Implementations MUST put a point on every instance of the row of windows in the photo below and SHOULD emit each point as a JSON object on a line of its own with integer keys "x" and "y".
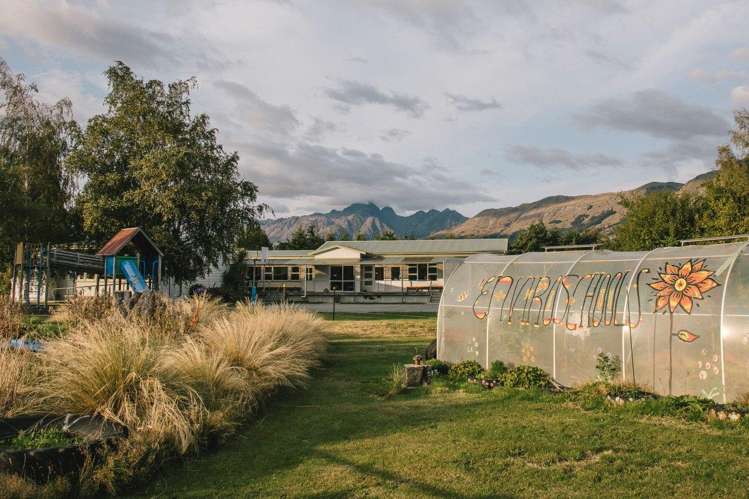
{"x": 342, "y": 276}
{"x": 416, "y": 272}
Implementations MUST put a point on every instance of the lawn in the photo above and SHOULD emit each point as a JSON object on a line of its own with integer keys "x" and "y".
{"x": 341, "y": 437}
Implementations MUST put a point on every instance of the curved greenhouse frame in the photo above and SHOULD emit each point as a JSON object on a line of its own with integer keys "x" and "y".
{"x": 677, "y": 319}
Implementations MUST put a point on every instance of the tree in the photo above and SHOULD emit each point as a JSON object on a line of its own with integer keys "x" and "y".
{"x": 657, "y": 219}
{"x": 536, "y": 237}
{"x": 726, "y": 197}
{"x": 35, "y": 188}
{"x": 252, "y": 237}
{"x": 150, "y": 163}
{"x": 302, "y": 238}
{"x": 388, "y": 235}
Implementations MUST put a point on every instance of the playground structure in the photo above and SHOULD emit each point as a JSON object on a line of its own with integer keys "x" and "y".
{"x": 129, "y": 262}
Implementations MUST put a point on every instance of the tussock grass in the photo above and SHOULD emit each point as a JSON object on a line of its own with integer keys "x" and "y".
{"x": 17, "y": 376}
{"x": 11, "y": 318}
{"x": 176, "y": 374}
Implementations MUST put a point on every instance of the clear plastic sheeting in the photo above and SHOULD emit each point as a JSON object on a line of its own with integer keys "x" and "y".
{"x": 677, "y": 319}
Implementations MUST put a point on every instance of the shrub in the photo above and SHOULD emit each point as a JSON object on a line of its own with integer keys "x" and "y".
{"x": 438, "y": 367}
{"x": 496, "y": 370}
{"x": 526, "y": 377}
{"x": 11, "y": 318}
{"x": 464, "y": 370}
{"x": 608, "y": 366}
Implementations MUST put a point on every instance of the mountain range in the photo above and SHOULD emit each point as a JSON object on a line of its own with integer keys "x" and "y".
{"x": 590, "y": 211}
{"x": 367, "y": 219}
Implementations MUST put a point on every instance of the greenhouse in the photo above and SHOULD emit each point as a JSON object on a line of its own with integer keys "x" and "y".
{"x": 676, "y": 319}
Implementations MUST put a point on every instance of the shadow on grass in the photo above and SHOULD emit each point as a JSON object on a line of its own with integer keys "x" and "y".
{"x": 383, "y": 474}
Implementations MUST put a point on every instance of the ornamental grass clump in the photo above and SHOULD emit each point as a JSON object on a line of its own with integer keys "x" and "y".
{"x": 78, "y": 309}
{"x": 11, "y": 318}
{"x": 17, "y": 376}
{"x": 272, "y": 346}
{"x": 111, "y": 368}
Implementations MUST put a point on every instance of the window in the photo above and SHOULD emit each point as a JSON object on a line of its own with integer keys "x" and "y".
{"x": 268, "y": 273}
{"x": 367, "y": 272}
{"x": 342, "y": 277}
{"x": 294, "y": 273}
{"x": 309, "y": 273}
{"x": 379, "y": 273}
{"x": 419, "y": 272}
{"x": 395, "y": 273}
{"x": 432, "y": 271}
{"x": 280, "y": 273}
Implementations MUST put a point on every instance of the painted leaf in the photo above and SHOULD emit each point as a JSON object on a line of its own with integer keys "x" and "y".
{"x": 686, "y": 336}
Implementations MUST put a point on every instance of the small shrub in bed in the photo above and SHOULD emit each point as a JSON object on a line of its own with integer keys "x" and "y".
{"x": 462, "y": 371}
{"x": 608, "y": 366}
{"x": 526, "y": 377}
{"x": 438, "y": 367}
{"x": 496, "y": 370}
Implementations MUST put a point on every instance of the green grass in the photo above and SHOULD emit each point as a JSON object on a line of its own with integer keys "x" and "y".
{"x": 342, "y": 438}
{"x": 378, "y": 316}
{"x": 41, "y": 438}
{"x": 41, "y": 327}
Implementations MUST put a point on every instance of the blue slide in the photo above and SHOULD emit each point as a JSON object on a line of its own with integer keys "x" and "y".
{"x": 133, "y": 276}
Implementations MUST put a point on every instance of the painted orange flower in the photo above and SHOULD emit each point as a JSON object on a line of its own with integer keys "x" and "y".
{"x": 680, "y": 286}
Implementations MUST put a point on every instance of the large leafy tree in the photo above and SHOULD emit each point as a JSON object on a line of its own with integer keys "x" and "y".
{"x": 537, "y": 236}
{"x": 302, "y": 238}
{"x": 657, "y": 219}
{"x": 149, "y": 162}
{"x": 35, "y": 188}
{"x": 726, "y": 197}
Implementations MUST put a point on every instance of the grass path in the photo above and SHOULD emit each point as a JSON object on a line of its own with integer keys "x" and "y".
{"x": 340, "y": 438}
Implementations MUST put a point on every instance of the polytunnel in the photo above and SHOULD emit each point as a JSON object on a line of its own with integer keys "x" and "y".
{"x": 676, "y": 318}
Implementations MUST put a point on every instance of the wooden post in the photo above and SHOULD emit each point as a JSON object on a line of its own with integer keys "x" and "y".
{"x": 97, "y": 284}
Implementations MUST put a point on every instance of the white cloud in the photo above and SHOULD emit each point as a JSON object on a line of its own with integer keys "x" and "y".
{"x": 740, "y": 97}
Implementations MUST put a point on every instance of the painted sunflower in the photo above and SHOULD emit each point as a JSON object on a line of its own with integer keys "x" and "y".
{"x": 679, "y": 286}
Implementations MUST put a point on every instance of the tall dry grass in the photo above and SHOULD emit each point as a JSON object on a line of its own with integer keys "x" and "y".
{"x": 18, "y": 374}
{"x": 11, "y": 318}
{"x": 175, "y": 374}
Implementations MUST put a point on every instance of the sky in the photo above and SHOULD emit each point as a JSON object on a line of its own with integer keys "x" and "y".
{"x": 417, "y": 104}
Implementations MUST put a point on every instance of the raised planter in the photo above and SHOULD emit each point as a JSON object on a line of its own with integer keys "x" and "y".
{"x": 40, "y": 464}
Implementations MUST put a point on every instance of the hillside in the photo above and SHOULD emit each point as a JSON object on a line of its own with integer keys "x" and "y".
{"x": 596, "y": 211}
{"x": 367, "y": 219}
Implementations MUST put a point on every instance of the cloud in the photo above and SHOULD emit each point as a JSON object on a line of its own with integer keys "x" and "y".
{"x": 654, "y": 113}
{"x": 601, "y": 58}
{"x": 87, "y": 33}
{"x": 716, "y": 76}
{"x": 341, "y": 176}
{"x": 352, "y": 93}
{"x": 464, "y": 103}
{"x": 319, "y": 129}
{"x": 740, "y": 97}
{"x": 546, "y": 158}
{"x": 741, "y": 53}
{"x": 394, "y": 135}
{"x": 256, "y": 112}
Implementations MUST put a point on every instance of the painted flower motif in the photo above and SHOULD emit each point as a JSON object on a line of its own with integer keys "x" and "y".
{"x": 680, "y": 286}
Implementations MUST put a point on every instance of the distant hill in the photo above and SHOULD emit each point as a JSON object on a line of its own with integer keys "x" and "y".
{"x": 595, "y": 211}
{"x": 365, "y": 218}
